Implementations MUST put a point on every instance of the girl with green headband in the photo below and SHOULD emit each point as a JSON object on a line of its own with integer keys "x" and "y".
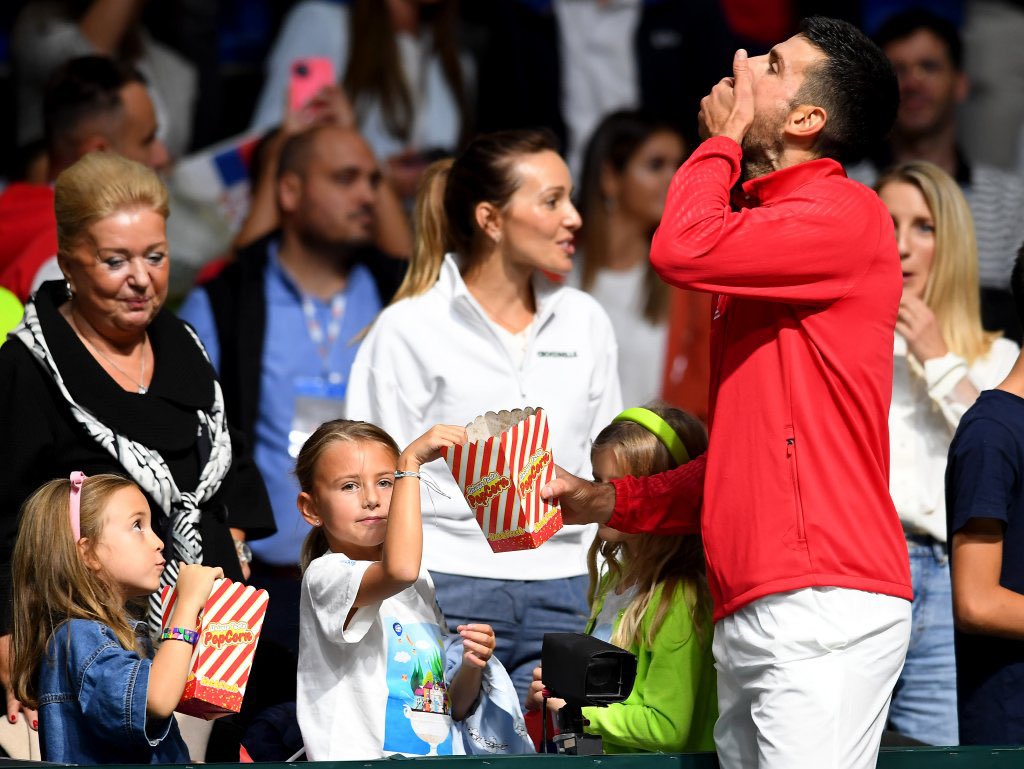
{"x": 649, "y": 595}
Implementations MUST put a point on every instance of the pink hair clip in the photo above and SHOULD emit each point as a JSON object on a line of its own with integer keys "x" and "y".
{"x": 75, "y": 503}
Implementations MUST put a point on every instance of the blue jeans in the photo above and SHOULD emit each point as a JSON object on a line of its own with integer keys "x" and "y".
{"x": 520, "y": 612}
{"x": 924, "y": 700}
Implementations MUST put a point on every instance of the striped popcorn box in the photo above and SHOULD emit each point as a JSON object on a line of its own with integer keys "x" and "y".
{"x": 501, "y": 471}
{"x": 228, "y": 633}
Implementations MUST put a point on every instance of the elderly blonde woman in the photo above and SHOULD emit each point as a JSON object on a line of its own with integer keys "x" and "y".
{"x": 100, "y": 378}
{"x": 943, "y": 359}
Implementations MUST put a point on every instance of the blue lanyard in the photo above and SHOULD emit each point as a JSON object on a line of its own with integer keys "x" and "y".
{"x": 324, "y": 341}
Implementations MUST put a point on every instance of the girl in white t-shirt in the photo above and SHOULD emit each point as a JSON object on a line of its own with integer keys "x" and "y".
{"x": 372, "y": 678}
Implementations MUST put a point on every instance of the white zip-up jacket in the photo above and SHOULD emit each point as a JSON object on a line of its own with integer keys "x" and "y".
{"x": 436, "y": 358}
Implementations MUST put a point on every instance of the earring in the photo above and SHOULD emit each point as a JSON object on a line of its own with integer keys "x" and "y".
{"x": 317, "y": 523}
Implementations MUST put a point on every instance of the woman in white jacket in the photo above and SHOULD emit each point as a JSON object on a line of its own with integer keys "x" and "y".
{"x": 943, "y": 358}
{"x": 477, "y": 326}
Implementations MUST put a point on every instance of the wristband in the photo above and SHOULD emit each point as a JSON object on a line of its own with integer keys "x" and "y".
{"x": 190, "y": 637}
{"x": 406, "y": 474}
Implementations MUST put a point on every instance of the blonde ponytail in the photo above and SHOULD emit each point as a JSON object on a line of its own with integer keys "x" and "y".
{"x": 431, "y": 228}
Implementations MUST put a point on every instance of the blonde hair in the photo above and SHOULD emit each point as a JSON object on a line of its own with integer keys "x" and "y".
{"x": 337, "y": 430}
{"x": 50, "y": 581}
{"x": 99, "y": 185}
{"x": 656, "y": 563}
{"x": 951, "y": 291}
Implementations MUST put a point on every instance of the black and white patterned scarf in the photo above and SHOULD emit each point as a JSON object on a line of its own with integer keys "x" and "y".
{"x": 181, "y": 509}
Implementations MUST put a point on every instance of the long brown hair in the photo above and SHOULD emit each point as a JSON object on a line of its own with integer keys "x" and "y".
{"x": 374, "y": 66}
{"x": 654, "y": 563}
{"x": 52, "y": 584}
{"x": 450, "y": 192}
{"x": 615, "y": 141}
{"x": 337, "y": 430}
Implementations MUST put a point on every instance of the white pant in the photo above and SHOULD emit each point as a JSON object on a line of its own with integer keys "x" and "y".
{"x": 805, "y": 678}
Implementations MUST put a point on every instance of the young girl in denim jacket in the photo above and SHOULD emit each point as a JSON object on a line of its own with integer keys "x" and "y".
{"x": 85, "y": 549}
{"x": 650, "y": 597}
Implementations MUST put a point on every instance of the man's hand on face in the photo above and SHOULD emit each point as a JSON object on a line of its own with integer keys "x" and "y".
{"x": 729, "y": 109}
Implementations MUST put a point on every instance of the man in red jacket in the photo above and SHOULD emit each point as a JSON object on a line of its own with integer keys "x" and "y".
{"x": 806, "y": 559}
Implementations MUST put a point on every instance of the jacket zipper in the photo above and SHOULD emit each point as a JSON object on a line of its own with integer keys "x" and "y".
{"x": 797, "y": 502}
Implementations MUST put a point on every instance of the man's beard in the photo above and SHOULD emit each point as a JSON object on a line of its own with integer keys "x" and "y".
{"x": 763, "y": 145}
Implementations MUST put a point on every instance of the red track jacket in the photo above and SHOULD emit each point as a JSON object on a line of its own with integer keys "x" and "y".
{"x": 807, "y": 282}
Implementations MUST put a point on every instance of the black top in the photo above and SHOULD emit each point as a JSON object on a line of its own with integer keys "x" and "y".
{"x": 985, "y": 479}
{"x": 40, "y": 439}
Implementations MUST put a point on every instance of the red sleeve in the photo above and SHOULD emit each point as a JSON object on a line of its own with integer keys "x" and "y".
{"x": 795, "y": 249}
{"x": 667, "y": 503}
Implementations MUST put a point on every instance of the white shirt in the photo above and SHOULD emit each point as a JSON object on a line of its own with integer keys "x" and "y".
{"x": 599, "y": 69}
{"x": 922, "y": 419}
{"x": 359, "y": 694}
{"x": 623, "y": 294}
{"x": 435, "y": 358}
{"x": 321, "y": 28}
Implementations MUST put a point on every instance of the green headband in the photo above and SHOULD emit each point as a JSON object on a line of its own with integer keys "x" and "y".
{"x": 661, "y": 429}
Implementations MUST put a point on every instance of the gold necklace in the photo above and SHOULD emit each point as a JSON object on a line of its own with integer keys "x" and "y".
{"x": 142, "y": 362}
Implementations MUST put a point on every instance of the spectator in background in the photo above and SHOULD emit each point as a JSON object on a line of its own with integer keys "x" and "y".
{"x": 279, "y": 325}
{"x": 985, "y": 507}
{"x": 49, "y": 32}
{"x": 92, "y": 103}
{"x": 565, "y": 64}
{"x": 943, "y": 359}
{"x": 400, "y": 65}
{"x": 926, "y": 52}
{"x": 479, "y": 328}
{"x": 627, "y": 168}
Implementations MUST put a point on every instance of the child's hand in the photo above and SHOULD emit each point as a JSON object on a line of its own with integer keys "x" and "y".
{"x": 428, "y": 446}
{"x": 535, "y": 695}
{"x": 195, "y": 583}
{"x": 479, "y": 643}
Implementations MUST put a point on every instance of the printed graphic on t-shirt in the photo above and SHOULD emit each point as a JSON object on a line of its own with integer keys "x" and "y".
{"x": 418, "y": 719}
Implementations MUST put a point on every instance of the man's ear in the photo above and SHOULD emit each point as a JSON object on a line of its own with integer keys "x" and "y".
{"x": 805, "y": 123}
{"x": 489, "y": 220}
{"x": 961, "y": 87}
{"x": 95, "y": 142}
{"x": 289, "y": 192}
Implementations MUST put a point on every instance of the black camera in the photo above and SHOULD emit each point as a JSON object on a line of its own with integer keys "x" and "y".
{"x": 584, "y": 670}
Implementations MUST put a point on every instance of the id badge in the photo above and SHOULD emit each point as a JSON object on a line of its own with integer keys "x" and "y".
{"x": 317, "y": 400}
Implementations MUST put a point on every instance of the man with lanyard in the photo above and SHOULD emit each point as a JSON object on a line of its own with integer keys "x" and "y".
{"x": 806, "y": 558}
{"x": 280, "y": 322}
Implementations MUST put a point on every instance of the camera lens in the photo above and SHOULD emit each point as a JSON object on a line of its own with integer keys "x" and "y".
{"x": 301, "y": 70}
{"x": 603, "y": 677}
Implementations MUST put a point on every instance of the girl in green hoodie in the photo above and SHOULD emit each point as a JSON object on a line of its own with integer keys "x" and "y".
{"x": 649, "y": 595}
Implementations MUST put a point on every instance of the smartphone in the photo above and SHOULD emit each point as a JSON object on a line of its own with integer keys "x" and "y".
{"x": 307, "y": 76}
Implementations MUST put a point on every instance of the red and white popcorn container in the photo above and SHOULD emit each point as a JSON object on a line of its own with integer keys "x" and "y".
{"x": 501, "y": 471}
{"x": 229, "y": 630}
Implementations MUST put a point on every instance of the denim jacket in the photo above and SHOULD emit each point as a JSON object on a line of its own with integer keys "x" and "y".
{"x": 92, "y": 702}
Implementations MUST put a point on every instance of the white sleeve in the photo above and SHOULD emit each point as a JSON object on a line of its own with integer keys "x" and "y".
{"x": 386, "y": 385}
{"x": 332, "y": 582}
{"x": 605, "y": 390}
{"x": 310, "y": 29}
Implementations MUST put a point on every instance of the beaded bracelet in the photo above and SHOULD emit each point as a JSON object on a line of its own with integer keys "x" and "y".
{"x": 180, "y": 634}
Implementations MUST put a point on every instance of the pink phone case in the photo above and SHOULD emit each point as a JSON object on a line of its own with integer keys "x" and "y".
{"x": 306, "y": 77}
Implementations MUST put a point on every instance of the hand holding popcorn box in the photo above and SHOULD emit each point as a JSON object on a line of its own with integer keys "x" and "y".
{"x": 501, "y": 471}
{"x": 229, "y": 630}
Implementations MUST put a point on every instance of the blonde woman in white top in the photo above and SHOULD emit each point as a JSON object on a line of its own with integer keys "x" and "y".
{"x": 943, "y": 359}
{"x": 478, "y": 325}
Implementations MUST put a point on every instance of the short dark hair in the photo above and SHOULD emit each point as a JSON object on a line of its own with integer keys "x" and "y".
{"x": 1017, "y": 284}
{"x": 82, "y": 89}
{"x": 902, "y": 25}
{"x": 296, "y": 152}
{"x": 855, "y": 84}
